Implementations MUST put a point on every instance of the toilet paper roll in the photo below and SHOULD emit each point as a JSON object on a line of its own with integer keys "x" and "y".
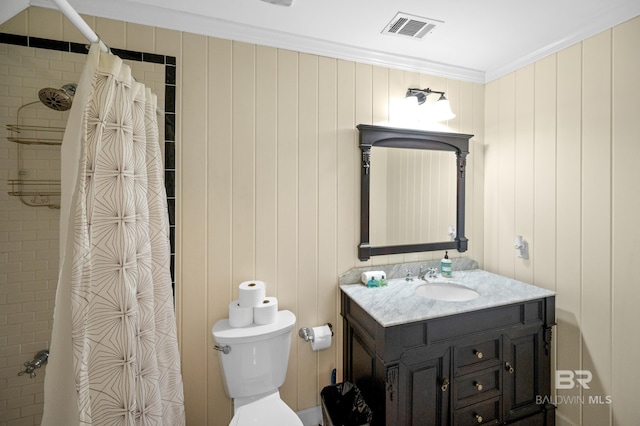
{"x": 251, "y": 293}
{"x": 266, "y": 312}
{"x": 239, "y": 316}
{"x": 321, "y": 337}
{"x": 376, "y": 275}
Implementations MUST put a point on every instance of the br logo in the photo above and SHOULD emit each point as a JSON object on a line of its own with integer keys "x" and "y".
{"x": 569, "y": 379}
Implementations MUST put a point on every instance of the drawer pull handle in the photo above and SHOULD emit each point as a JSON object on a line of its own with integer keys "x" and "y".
{"x": 478, "y": 386}
{"x": 478, "y": 418}
{"x": 445, "y": 385}
{"x": 509, "y": 367}
{"x": 478, "y": 354}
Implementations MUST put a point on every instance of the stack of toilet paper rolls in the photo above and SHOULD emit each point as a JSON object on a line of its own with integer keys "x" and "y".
{"x": 253, "y": 306}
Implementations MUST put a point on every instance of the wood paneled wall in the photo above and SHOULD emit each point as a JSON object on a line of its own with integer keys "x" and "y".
{"x": 270, "y": 191}
{"x": 562, "y": 137}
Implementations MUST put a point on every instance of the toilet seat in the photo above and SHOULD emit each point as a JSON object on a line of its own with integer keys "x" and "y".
{"x": 268, "y": 411}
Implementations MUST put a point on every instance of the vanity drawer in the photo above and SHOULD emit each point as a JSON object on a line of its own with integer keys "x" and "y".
{"x": 483, "y": 413}
{"x": 481, "y": 355}
{"x": 473, "y": 388}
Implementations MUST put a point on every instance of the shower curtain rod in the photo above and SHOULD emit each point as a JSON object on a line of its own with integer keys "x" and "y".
{"x": 84, "y": 28}
{"x": 73, "y": 16}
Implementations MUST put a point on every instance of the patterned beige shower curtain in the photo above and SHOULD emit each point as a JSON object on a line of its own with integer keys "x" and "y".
{"x": 114, "y": 352}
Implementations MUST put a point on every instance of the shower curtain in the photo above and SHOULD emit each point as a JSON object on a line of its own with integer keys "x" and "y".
{"x": 114, "y": 352}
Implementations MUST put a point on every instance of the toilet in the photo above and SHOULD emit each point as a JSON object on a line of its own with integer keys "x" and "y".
{"x": 254, "y": 361}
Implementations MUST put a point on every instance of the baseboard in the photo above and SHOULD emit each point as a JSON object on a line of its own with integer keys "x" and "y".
{"x": 561, "y": 420}
{"x": 311, "y": 416}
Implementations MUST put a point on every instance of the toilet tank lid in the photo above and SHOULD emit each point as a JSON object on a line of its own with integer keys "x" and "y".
{"x": 224, "y": 333}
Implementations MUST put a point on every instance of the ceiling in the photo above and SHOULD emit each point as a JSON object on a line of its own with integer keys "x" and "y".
{"x": 474, "y": 40}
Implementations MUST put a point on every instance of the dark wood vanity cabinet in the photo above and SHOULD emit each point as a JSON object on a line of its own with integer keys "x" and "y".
{"x": 487, "y": 367}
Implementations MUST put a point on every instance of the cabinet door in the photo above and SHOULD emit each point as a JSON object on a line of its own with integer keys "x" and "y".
{"x": 425, "y": 388}
{"x": 523, "y": 362}
{"x": 362, "y": 368}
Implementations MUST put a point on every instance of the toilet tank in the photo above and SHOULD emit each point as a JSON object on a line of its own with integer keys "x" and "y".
{"x": 258, "y": 355}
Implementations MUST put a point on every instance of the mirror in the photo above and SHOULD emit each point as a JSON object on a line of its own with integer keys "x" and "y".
{"x": 412, "y": 198}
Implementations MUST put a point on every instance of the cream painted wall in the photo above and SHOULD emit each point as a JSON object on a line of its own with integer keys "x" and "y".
{"x": 562, "y": 142}
{"x": 269, "y": 190}
{"x": 267, "y": 184}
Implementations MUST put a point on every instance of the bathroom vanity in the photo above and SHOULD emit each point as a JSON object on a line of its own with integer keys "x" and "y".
{"x": 420, "y": 361}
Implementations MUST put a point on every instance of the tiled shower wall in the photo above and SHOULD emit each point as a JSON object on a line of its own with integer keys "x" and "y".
{"x": 29, "y": 236}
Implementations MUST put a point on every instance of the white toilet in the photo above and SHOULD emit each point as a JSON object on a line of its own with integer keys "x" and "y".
{"x": 254, "y": 361}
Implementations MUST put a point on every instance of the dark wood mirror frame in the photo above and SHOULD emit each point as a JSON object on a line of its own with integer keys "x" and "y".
{"x": 390, "y": 137}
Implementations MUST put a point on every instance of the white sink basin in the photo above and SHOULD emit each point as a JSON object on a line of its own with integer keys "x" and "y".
{"x": 447, "y": 291}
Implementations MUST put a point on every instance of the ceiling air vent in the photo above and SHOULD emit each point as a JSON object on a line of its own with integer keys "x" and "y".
{"x": 410, "y": 25}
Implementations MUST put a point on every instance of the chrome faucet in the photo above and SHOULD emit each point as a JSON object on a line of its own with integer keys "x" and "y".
{"x": 39, "y": 360}
{"x": 432, "y": 272}
{"x": 421, "y": 273}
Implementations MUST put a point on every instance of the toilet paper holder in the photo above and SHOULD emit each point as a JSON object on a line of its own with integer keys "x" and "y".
{"x": 307, "y": 335}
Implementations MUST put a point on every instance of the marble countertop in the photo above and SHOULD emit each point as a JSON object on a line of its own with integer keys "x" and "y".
{"x": 398, "y": 304}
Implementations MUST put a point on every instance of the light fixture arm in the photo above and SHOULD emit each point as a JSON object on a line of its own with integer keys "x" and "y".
{"x": 440, "y": 110}
{"x": 422, "y": 94}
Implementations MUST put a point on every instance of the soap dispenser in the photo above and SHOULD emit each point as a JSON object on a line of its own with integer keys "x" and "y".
{"x": 445, "y": 266}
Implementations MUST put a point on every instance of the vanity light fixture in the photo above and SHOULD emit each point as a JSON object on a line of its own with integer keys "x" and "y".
{"x": 440, "y": 111}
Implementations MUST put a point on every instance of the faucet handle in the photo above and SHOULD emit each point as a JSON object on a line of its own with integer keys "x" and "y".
{"x": 409, "y": 276}
{"x": 39, "y": 360}
{"x": 431, "y": 272}
{"x": 28, "y": 370}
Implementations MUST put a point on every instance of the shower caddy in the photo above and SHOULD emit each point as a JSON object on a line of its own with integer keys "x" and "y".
{"x": 34, "y": 192}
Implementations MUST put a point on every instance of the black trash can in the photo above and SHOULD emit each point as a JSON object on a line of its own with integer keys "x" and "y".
{"x": 343, "y": 405}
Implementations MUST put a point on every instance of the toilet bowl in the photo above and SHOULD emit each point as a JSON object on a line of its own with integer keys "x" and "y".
{"x": 254, "y": 362}
{"x": 267, "y": 411}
